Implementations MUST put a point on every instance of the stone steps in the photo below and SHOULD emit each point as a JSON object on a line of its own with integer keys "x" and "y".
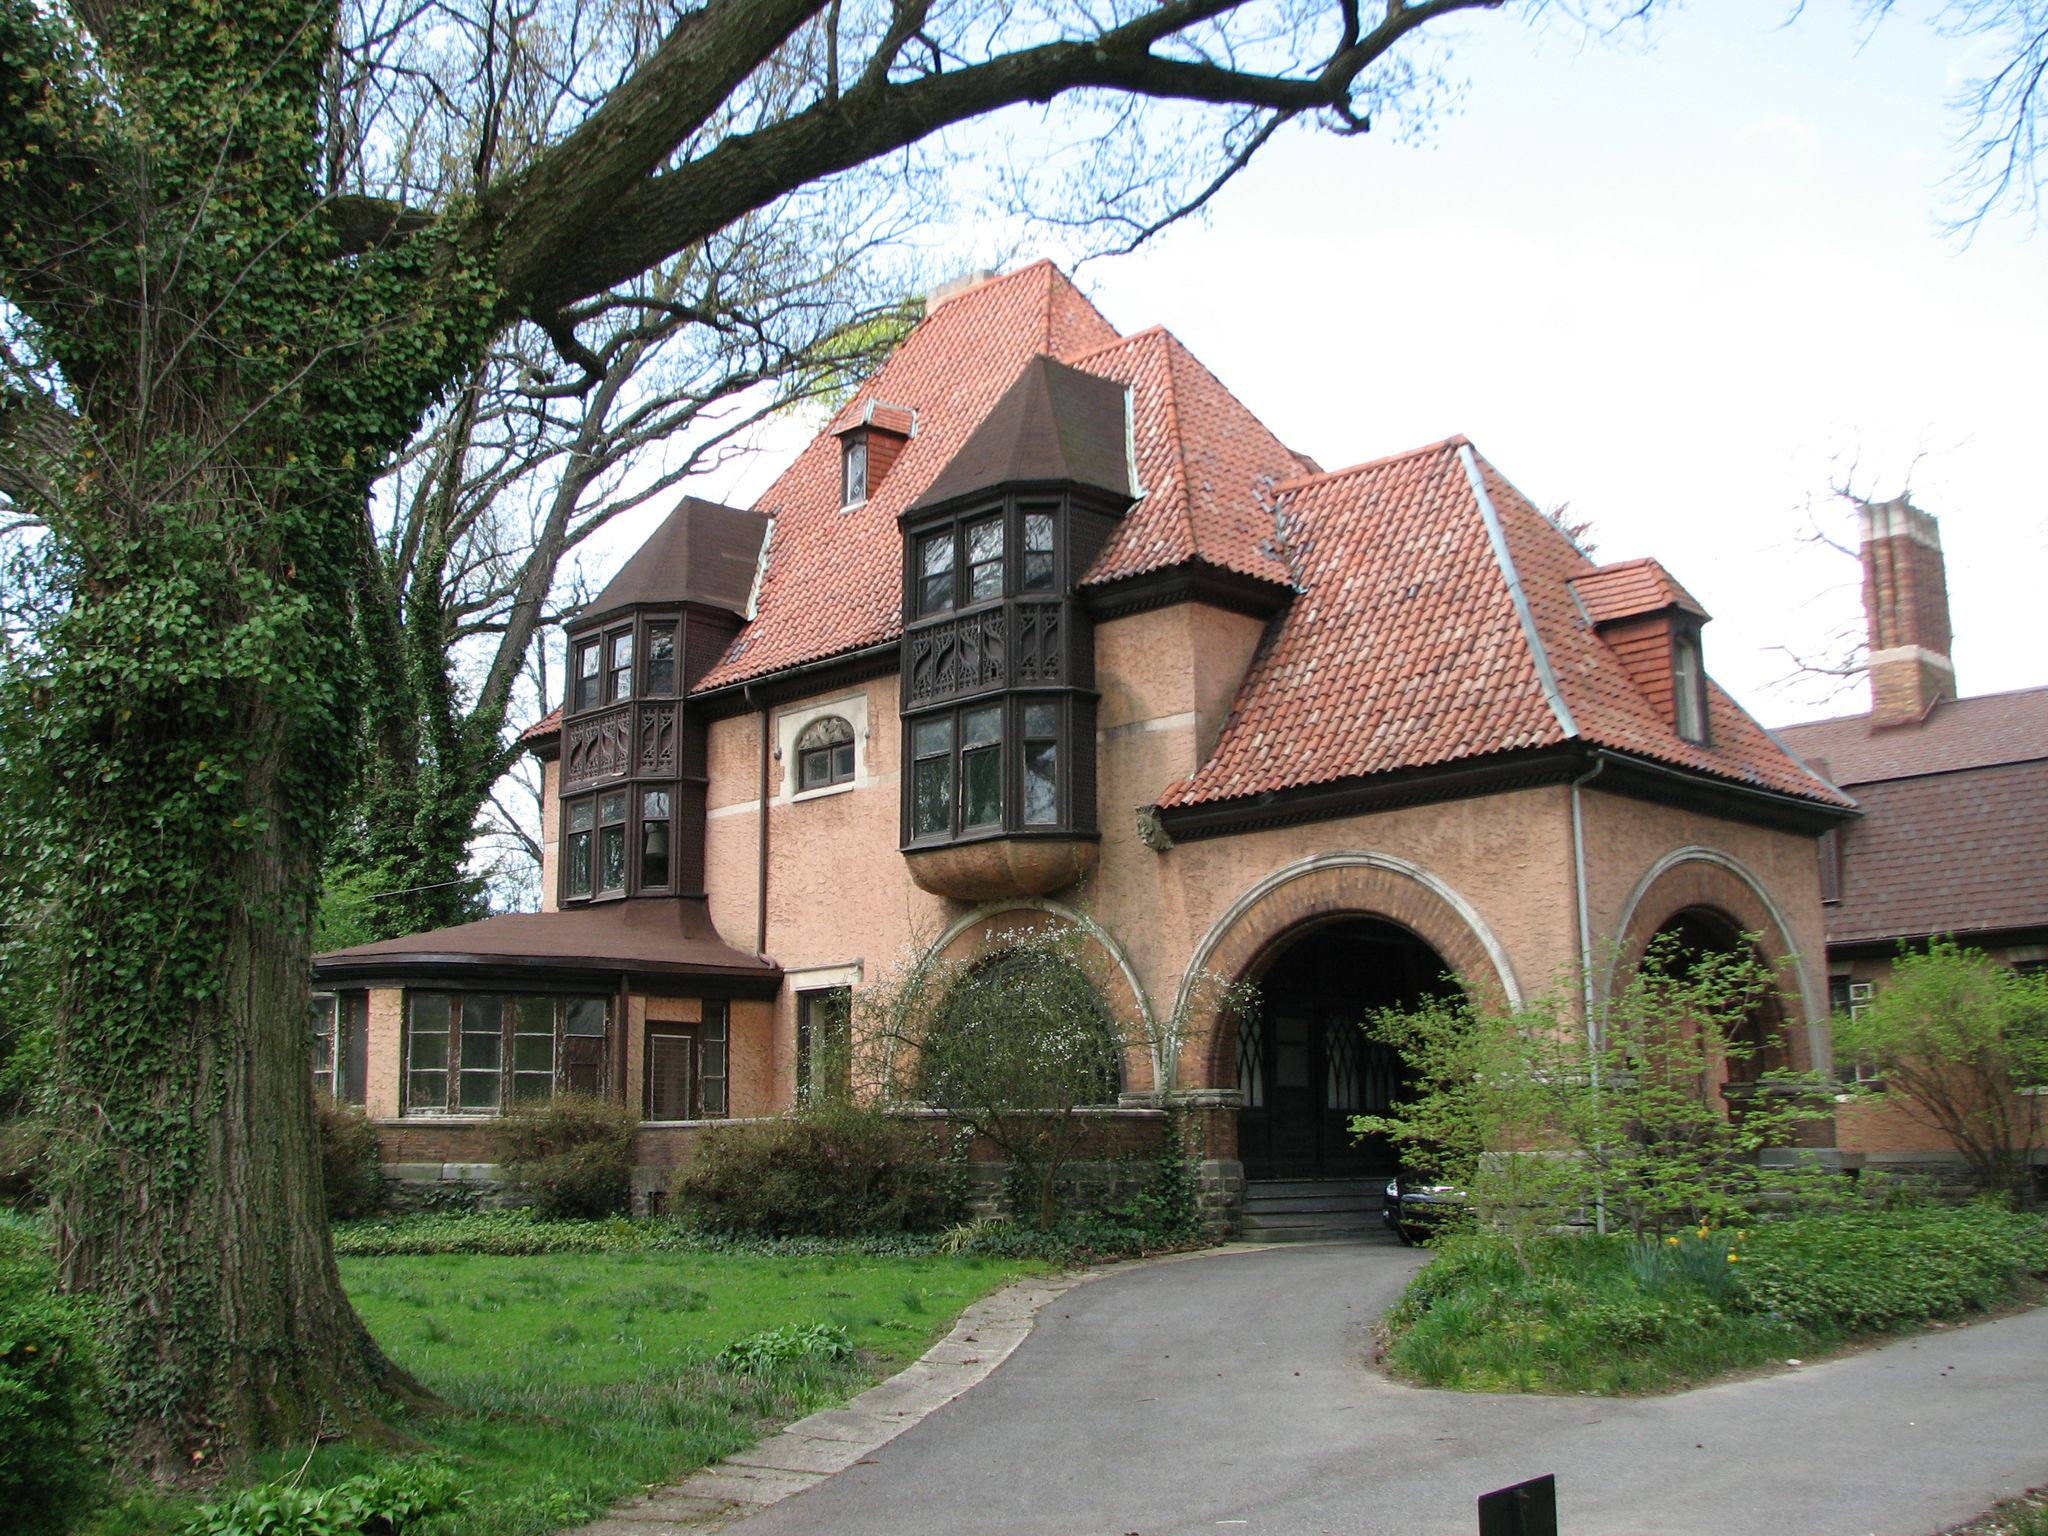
{"x": 1314, "y": 1210}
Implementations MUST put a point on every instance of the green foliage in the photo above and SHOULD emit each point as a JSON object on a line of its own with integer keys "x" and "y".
{"x": 574, "y": 1157}
{"x": 830, "y": 1171}
{"x": 774, "y": 1347}
{"x": 349, "y": 1161}
{"x": 1954, "y": 1034}
{"x": 50, "y": 1470}
{"x": 387, "y": 1502}
{"x": 1861, "y": 1271}
{"x": 1542, "y": 1126}
{"x": 1582, "y": 1313}
{"x": 24, "y": 1160}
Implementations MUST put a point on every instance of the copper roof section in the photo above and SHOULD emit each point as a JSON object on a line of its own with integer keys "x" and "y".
{"x": 647, "y": 935}
{"x": 1630, "y": 589}
{"x": 1055, "y": 424}
{"x": 1404, "y": 650}
{"x": 700, "y": 553}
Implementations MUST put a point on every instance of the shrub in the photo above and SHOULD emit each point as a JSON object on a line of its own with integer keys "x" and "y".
{"x": 49, "y": 1391}
{"x": 349, "y": 1159}
{"x": 574, "y": 1157}
{"x": 759, "y": 1352}
{"x": 836, "y": 1170}
{"x": 1865, "y": 1270}
{"x": 386, "y": 1502}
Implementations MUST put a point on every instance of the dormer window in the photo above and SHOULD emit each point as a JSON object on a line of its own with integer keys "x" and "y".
{"x": 1688, "y": 685}
{"x": 853, "y": 469}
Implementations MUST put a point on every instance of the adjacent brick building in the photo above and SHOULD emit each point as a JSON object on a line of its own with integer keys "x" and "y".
{"x": 1046, "y": 626}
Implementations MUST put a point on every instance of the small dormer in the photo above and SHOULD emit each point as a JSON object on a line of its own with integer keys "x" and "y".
{"x": 1652, "y": 624}
{"x": 869, "y": 446}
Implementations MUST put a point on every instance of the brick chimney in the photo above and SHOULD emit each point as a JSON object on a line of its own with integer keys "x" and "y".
{"x": 1905, "y": 598}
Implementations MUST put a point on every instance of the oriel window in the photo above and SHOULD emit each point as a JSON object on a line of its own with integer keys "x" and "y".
{"x": 661, "y": 659}
{"x": 981, "y": 766}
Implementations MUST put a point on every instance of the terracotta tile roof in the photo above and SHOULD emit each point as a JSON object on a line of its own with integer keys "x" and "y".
{"x": 1629, "y": 588}
{"x": 1403, "y": 649}
{"x": 834, "y": 578}
{"x": 1960, "y": 733}
{"x": 1945, "y": 853}
{"x": 545, "y": 728}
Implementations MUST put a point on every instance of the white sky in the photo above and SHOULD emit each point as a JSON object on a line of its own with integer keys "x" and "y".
{"x": 1680, "y": 288}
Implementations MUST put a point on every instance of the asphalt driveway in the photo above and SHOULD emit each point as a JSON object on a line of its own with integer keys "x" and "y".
{"x": 1233, "y": 1393}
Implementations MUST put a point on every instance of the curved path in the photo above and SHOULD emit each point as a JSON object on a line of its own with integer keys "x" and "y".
{"x": 1233, "y": 1393}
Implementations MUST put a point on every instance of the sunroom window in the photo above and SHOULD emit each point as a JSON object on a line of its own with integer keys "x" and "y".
{"x": 481, "y": 1053}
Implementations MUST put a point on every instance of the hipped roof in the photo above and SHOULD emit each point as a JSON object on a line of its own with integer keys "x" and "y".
{"x": 701, "y": 552}
{"x": 1055, "y": 424}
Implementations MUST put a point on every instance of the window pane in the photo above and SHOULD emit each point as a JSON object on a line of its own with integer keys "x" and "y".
{"x": 611, "y": 859}
{"x": 668, "y": 1077}
{"x": 582, "y": 815}
{"x": 814, "y": 768}
{"x": 613, "y": 807}
{"x": 934, "y": 738}
{"x": 1040, "y": 788}
{"x": 429, "y": 1052}
{"x": 352, "y": 1069}
{"x": 578, "y": 854}
{"x": 982, "y": 727}
{"x": 428, "y": 1011}
{"x": 661, "y": 658}
{"x": 583, "y": 1016}
{"x": 536, "y": 1016}
{"x": 480, "y": 1090}
{"x": 933, "y": 797}
{"x": 981, "y": 787}
{"x": 426, "y": 1090}
{"x": 482, "y": 1051}
{"x": 532, "y": 1087}
{"x": 935, "y": 572}
{"x": 533, "y": 1053}
{"x": 1041, "y": 720}
{"x": 654, "y": 853}
{"x": 853, "y": 479}
{"x": 654, "y": 803}
{"x": 586, "y": 675}
{"x": 985, "y": 560}
{"x": 842, "y": 764}
{"x": 622, "y": 666}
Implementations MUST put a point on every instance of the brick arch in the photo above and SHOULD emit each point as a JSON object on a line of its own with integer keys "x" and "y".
{"x": 1260, "y": 923}
{"x": 1108, "y": 966}
{"x": 1697, "y": 879}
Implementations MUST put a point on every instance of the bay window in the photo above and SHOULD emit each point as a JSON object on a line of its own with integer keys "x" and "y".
{"x": 992, "y": 766}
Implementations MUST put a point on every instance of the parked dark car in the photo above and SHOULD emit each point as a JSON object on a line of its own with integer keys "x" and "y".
{"x": 1418, "y": 1204}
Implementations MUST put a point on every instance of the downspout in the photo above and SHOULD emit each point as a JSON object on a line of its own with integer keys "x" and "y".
{"x": 1586, "y": 962}
{"x": 761, "y": 873}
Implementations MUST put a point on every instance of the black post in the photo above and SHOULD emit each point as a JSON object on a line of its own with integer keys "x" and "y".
{"x": 1525, "y": 1509}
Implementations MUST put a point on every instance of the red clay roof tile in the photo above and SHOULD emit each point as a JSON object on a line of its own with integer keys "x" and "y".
{"x": 1628, "y": 588}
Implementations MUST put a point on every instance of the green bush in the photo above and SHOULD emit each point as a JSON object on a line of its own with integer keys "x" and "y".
{"x": 1861, "y": 1271}
{"x": 833, "y": 1171}
{"x": 49, "y": 1391}
{"x": 763, "y": 1351}
{"x": 349, "y": 1161}
{"x": 386, "y": 1502}
{"x": 574, "y": 1158}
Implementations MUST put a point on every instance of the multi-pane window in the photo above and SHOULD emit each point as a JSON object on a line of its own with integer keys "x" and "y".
{"x": 1041, "y": 764}
{"x": 660, "y": 668}
{"x": 984, "y": 560}
{"x": 935, "y": 572}
{"x": 824, "y": 1067}
{"x": 853, "y": 470}
{"x": 686, "y": 1067}
{"x": 932, "y": 777}
{"x": 619, "y": 678}
{"x": 484, "y": 1052}
{"x": 340, "y": 1045}
{"x": 585, "y": 691}
{"x": 581, "y": 821}
{"x": 611, "y": 842}
{"x": 654, "y": 820}
{"x": 824, "y": 754}
{"x": 981, "y": 766}
{"x": 1038, "y": 564}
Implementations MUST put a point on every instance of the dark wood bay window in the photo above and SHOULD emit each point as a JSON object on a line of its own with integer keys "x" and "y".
{"x": 993, "y": 766}
{"x": 686, "y": 1067}
{"x": 482, "y": 1053}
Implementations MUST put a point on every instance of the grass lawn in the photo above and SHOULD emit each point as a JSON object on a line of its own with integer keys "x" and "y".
{"x": 581, "y": 1378}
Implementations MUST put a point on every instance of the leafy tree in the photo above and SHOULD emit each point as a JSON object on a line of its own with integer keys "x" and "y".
{"x": 214, "y": 344}
{"x": 1955, "y": 1037}
{"x": 1542, "y": 1123}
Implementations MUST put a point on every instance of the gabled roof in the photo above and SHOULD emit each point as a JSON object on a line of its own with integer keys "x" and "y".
{"x": 1054, "y": 423}
{"x": 700, "y": 553}
{"x": 1407, "y": 647}
{"x": 1630, "y": 589}
{"x": 1957, "y": 734}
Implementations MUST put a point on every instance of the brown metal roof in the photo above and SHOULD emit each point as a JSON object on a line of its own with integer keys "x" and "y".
{"x": 646, "y": 936}
{"x": 1054, "y": 423}
{"x": 1958, "y": 734}
{"x": 701, "y": 553}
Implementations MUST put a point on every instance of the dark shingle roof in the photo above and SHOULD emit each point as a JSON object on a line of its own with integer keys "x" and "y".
{"x": 1960, "y": 733}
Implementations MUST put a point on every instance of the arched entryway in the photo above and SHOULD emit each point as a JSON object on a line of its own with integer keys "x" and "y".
{"x": 1304, "y": 1064}
{"x": 1756, "y": 1042}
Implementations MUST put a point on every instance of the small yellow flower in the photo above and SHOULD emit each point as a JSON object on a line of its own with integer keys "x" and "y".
{"x": 1734, "y": 1258}
{"x": 1671, "y": 1242}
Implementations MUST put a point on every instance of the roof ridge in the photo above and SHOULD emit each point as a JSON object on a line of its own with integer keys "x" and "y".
{"x": 1504, "y": 557}
{"x": 1170, "y": 401}
{"x": 1302, "y": 482}
{"x": 1149, "y": 333}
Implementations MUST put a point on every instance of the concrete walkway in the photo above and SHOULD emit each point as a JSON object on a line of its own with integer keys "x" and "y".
{"x": 1232, "y": 1392}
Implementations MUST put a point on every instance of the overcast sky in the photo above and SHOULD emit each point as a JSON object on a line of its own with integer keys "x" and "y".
{"x": 1681, "y": 287}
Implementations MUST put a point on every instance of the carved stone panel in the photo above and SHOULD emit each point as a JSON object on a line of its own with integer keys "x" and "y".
{"x": 596, "y": 748}
{"x": 658, "y": 739}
